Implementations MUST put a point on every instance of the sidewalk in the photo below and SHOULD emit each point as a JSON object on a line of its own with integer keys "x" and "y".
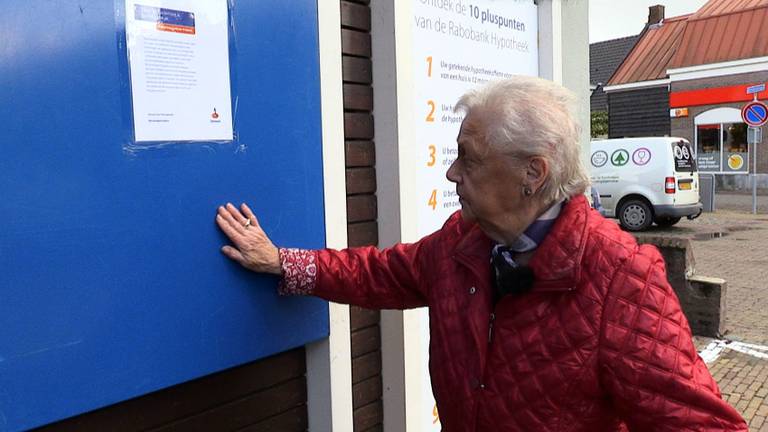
{"x": 732, "y": 244}
{"x": 741, "y": 201}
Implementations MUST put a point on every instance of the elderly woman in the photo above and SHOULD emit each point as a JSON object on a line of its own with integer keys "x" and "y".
{"x": 543, "y": 315}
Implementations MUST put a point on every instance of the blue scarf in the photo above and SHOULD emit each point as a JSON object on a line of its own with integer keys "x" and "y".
{"x": 507, "y": 276}
{"x": 532, "y": 237}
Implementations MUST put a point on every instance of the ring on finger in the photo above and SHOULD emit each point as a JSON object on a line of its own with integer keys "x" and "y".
{"x": 247, "y": 223}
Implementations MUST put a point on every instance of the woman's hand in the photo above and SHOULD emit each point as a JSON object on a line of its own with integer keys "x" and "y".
{"x": 252, "y": 248}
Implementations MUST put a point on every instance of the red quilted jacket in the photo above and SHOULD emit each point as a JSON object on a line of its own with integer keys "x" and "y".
{"x": 599, "y": 344}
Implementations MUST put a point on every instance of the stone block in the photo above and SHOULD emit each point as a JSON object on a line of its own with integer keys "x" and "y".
{"x": 704, "y": 305}
{"x": 701, "y": 298}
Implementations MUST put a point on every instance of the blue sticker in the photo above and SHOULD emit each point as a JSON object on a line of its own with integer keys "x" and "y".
{"x": 167, "y": 19}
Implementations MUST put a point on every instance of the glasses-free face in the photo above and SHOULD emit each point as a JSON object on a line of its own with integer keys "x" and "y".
{"x": 487, "y": 182}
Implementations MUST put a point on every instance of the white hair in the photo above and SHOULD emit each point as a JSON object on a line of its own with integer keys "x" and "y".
{"x": 528, "y": 116}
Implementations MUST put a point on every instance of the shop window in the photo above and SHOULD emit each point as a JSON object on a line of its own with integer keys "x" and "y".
{"x": 707, "y": 140}
{"x": 722, "y": 147}
{"x": 735, "y": 138}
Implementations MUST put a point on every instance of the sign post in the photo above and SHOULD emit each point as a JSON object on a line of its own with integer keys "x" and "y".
{"x": 753, "y": 136}
{"x": 754, "y": 114}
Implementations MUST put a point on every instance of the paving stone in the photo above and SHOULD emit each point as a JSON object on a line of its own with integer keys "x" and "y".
{"x": 756, "y": 422}
{"x": 732, "y": 244}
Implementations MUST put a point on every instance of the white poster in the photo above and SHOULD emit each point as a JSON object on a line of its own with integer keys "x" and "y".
{"x": 458, "y": 45}
{"x": 178, "y": 52}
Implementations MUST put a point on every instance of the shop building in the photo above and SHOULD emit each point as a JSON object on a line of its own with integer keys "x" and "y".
{"x": 688, "y": 76}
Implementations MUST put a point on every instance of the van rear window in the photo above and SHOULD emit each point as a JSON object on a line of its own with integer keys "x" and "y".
{"x": 683, "y": 154}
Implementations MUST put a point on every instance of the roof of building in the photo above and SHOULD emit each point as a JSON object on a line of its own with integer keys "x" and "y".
{"x": 722, "y": 30}
{"x": 606, "y": 56}
{"x": 649, "y": 59}
{"x": 722, "y": 7}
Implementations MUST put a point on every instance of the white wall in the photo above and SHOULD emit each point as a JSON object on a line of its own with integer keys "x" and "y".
{"x": 575, "y": 62}
{"x": 329, "y": 362}
{"x": 564, "y": 58}
{"x": 564, "y": 49}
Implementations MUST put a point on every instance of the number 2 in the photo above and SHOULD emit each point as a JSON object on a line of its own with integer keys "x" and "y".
{"x": 430, "y": 116}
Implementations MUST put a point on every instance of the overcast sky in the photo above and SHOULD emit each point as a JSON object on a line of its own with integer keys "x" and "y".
{"x": 611, "y": 19}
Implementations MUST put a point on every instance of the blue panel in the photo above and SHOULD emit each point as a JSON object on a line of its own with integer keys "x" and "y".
{"x": 111, "y": 280}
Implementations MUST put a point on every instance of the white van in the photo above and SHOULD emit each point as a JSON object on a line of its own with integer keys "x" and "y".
{"x": 645, "y": 180}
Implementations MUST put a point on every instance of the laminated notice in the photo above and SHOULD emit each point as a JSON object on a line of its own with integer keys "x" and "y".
{"x": 178, "y": 52}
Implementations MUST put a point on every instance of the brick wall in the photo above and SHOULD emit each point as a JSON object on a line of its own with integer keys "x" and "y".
{"x": 361, "y": 205}
{"x": 263, "y": 396}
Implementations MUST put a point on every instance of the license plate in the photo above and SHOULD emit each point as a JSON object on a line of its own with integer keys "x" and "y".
{"x": 685, "y": 186}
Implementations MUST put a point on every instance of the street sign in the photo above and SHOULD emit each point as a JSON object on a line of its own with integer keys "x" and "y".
{"x": 755, "y": 113}
{"x": 754, "y": 135}
{"x": 756, "y": 89}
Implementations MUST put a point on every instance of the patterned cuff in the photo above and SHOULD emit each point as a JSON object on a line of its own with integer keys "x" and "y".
{"x": 299, "y": 271}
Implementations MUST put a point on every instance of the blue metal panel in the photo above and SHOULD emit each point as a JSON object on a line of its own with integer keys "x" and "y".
{"x": 111, "y": 280}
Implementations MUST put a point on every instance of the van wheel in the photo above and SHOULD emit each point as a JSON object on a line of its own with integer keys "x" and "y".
{"x": 665, "y": 222}
{"x": 635, "y": 215}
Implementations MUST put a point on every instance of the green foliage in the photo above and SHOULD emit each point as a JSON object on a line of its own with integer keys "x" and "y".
{"x": 599, "y": 126}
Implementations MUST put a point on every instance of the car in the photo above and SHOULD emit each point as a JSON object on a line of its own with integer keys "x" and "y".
{"x": 641, "y": 181}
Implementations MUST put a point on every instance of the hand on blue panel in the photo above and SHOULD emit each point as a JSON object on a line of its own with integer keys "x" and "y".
{"x": 251, "y": 247}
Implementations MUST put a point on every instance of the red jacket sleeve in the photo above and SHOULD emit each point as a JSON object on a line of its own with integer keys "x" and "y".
{"x": 649, "y": 364}
{"x": 372, "y": 278}
{"x": 365, "y": 276}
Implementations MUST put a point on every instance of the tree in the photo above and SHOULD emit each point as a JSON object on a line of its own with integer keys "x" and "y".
{"x": 599, "y": 126}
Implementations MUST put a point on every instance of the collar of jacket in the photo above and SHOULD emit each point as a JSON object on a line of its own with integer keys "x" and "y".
{"x": 556, "y": 263}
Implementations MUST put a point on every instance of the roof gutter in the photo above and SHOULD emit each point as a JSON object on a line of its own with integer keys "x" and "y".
{"x": 756, "y": 64}
{"x": 637, "y": 85}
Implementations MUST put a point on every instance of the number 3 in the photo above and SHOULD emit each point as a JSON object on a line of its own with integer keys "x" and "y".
{"x": 432, "y": 150}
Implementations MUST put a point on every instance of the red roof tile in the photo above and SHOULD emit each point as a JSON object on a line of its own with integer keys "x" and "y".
{"x": 722, "y": 7}
{"x": 652, "y": 53}
{"x": 732, "y": 35}
{"x": 722, "y": 30}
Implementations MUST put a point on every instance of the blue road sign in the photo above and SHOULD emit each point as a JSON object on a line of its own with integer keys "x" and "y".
{"x": 755, "y": 113}
{"x": 756, "y": 89}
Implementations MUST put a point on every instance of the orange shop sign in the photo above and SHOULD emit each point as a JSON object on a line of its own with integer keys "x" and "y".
{"x": 678, "y": 112}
